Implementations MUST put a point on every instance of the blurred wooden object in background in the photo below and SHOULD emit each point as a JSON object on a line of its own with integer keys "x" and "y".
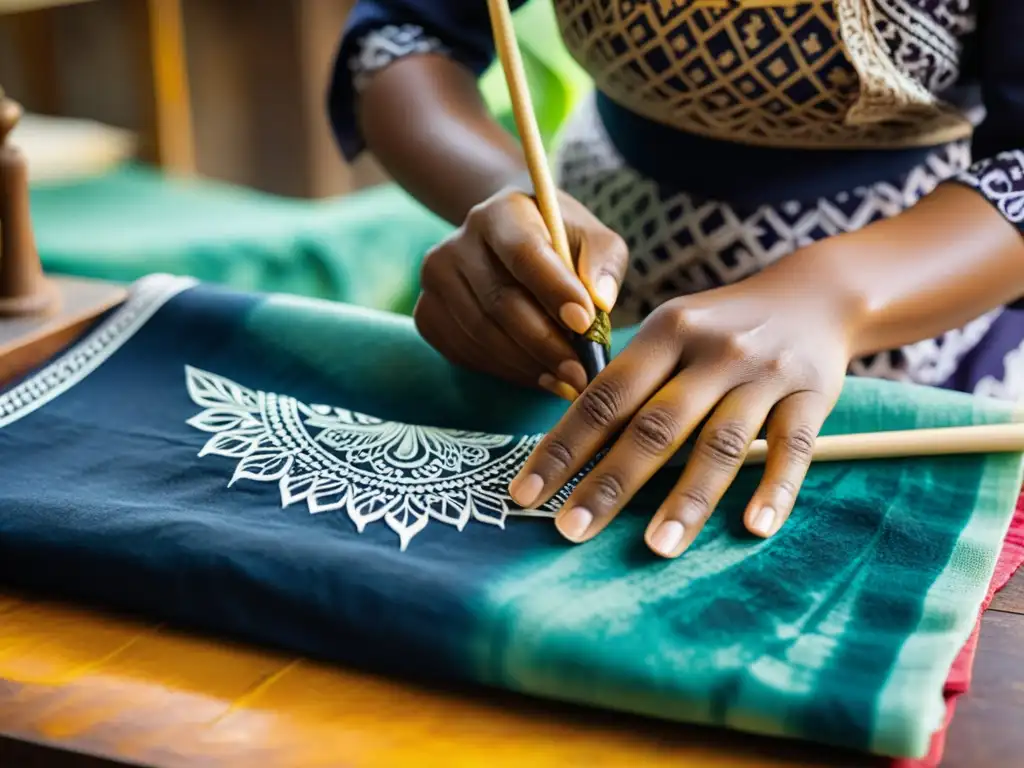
{"x": 37, "y": 314}
{"x": 64, "y": 149}
{"x": 251, "y": 111}
{"x": 44, "y": 59}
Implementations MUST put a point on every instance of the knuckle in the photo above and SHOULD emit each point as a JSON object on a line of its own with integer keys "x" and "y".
{"x": 655, "y": 430}
{"x": 601, "y": 403}
{"x": 737, "y": 346}
{"x": 786, "y": 488}
{"x": 420, "y": 319}
{"x": 775, "y": 365}
{"x": 726, "y": 443}
{"x": 520, "y": 256}
{"x": 605, "y": 488}
{"x": 696, "y": 499}
{"x": 782, "y": 361}
{"x": 496, "y": 298}
{"x": 432, "y": 267}
{"x": 558, "y": 455}
{"x": 479, "y": 215}
{"x": 668, "y": 320}
{"x": 799, "y": 442}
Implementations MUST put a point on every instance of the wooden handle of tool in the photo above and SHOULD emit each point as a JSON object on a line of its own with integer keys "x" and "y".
{"x": 526, "y": 122}
{"x": 943, "y": 441}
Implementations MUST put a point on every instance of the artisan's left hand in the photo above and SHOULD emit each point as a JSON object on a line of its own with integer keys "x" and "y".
{"x": 758, "y": 351}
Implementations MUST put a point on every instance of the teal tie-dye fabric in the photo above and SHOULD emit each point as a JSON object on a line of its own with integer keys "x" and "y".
{"x": 313, "y": 476}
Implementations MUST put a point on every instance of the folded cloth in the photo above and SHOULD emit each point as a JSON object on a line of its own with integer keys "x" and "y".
{"x": 313, "y": 476}
{"x": 365, "y": 248}
{"x": 959, "y": 681}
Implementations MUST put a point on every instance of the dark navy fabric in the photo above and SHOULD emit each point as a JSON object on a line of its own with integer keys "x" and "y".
{"x": 1000, "y": 63}
{"x": 105, "y": 499}
{"x": 745, "y": 175}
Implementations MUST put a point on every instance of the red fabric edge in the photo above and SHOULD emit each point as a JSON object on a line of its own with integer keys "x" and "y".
{"x": 959, "y": 681}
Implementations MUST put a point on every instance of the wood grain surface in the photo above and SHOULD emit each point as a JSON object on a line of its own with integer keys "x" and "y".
{"x": 79, "y": 688}
{"x": 83, "y": 682}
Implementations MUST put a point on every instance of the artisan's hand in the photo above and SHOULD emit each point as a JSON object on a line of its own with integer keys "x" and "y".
{"x": 759, "y": 351}
{"x": 498, "y": 299}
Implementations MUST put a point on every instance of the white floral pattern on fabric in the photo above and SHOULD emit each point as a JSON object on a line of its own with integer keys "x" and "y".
{"x": 336, "y": 459}
{"x": 1000, "y": 179}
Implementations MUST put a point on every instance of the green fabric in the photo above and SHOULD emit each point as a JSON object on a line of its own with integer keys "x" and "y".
{"x": 363, "y": 249}
{"x": 842, "y": 628}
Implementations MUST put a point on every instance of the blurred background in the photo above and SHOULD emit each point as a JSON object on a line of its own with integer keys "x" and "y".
{"x": 250, "y": 109}
{"x": 191, "y": 137}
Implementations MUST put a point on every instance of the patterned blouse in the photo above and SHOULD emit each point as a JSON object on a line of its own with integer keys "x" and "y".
{"x": 727, "y": 133}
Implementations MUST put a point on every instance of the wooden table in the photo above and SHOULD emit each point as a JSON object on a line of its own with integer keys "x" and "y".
{"x": 75, "y": 684}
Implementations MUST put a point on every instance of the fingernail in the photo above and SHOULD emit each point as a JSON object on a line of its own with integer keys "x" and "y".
{"x": 525, "y": 490}
{"x": 667, "y": 537}
{"x": 557, "y": 388}
{"x": 607, "y": 290}
{"x": 574, "y": 523}
{"x": 764, "y": 521}
{"x": 572, "y": 373}
{"x": 575, "y": 317}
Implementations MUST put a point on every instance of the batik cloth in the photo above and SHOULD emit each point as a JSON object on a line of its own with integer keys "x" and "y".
{"x": 724, "y": 136}
{"x": 960, "y": 674}
{"x": 313, "y": 476}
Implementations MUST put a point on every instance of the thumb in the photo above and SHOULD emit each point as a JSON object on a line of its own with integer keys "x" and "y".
{"x": 602, "y": 260}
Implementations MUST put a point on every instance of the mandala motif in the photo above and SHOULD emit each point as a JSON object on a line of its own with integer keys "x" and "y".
{"x": 335, "y": 459}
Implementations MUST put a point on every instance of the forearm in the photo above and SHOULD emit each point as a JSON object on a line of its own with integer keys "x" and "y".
{"x": 940, "y": 264}
{"x": 425, "y": 121}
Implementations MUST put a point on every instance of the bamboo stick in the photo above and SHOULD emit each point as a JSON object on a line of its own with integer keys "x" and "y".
{"x": 592, "y": 346}
{"x": 940, "y": 441}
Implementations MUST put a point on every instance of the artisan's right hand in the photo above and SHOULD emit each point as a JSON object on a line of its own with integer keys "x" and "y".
{"x": 497, "y": 298}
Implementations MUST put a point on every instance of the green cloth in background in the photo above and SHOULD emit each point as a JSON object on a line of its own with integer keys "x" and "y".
{"x": 361, "y": 249}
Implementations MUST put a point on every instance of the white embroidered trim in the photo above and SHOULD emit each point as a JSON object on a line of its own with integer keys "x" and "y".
{"x": 333, "y": 459}
{"x": 884, "y": 88}
{"x": 382, "y": 47}
{"x": 147, "y": 296}
{"x": 887, "y": 92}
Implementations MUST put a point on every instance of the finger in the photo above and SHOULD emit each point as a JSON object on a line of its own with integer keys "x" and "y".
{"x": 521, "y": 318}
{"x": 602, "y": 264}
{"x": 600, "y": 411}
{"x": 792, "y": 430}
{"x": 657, "y": 431}
{"x": 717, "y": 456}
{"x": 440, "y": 329}
{"x": 517, "y": 235}
{"x": 491, "y": 341}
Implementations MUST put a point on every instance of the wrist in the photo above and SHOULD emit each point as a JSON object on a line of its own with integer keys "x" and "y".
{"x": 819, "y": 275}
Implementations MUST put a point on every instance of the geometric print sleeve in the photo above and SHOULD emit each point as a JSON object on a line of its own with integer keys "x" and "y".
{"x": 379, "y": 32}
{"x": 998, "y": 142}
{"x": 1000, "y": 180}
